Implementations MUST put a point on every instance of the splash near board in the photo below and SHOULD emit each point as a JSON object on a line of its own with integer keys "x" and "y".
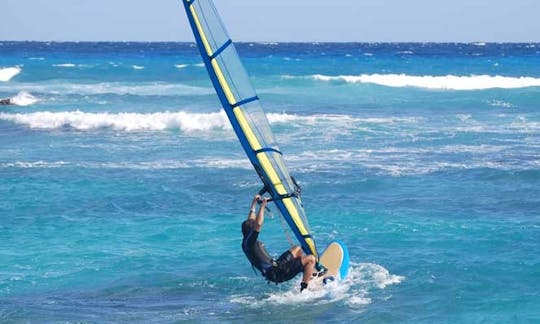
{"x": 244, "y": 111}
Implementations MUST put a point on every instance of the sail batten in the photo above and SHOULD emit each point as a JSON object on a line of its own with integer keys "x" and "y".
{"x": 221, "y": 49}
{"x": 242, "y": 106}
{"x": 245, "y": 101}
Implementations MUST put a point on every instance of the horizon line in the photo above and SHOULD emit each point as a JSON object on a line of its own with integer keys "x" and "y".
{"x": 274, "y": 42}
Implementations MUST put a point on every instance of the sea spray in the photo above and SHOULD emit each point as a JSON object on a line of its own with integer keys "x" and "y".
{"x": 24, "y": 98}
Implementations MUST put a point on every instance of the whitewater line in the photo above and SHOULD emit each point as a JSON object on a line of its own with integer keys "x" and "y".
{"x": 448, "y": 82}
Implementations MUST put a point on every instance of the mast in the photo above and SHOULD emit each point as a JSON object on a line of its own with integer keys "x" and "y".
{"x": 242, "y": 106}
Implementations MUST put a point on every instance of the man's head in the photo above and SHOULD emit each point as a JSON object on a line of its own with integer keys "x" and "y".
{"x": 248, "y": 226}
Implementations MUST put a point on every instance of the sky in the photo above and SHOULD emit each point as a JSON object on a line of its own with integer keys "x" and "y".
{"x": 276, "y": 20}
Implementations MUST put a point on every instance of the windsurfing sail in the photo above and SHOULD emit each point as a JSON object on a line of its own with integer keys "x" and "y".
{"x": 242, "y": 106}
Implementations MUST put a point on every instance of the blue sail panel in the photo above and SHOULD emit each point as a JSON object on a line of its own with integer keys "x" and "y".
{"x": 242, "y": 106}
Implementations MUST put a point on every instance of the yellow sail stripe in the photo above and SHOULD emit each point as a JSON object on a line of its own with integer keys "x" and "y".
{"x": 225, "y": 85}
{"x": 207, "y": 46}
{"x": 272, "y": 174}
{"x": 289, "y": 204}
{"x": 250, "y": 135}
{"x": 209, "y": 52}
{"x": 298, "y": 221}
{"x": 252, "y": 139}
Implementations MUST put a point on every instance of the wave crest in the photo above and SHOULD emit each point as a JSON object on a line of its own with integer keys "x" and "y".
{"x": 448, "y": 82}
{"x": 7, "y": 74}
{"x": 118, "y": 88}
{"x": 185, "y": 121}
{"x": 121, "y": 121}
{"x": 24, "y": 98}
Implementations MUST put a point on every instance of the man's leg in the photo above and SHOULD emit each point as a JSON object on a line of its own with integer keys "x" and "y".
{"x": 308, "y": 262}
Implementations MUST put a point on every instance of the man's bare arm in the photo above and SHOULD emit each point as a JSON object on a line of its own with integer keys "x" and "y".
{"x": 260, "y": 216}
{"x": 251, "y": 214}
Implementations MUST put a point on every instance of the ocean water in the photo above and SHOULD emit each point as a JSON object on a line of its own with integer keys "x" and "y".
{"x": 123, "y": 186}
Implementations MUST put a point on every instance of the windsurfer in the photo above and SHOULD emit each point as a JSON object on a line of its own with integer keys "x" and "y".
{"x": 287, "y": 266}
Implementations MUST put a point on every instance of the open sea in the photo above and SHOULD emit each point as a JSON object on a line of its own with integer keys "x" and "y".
{"x": 123, "y": 186}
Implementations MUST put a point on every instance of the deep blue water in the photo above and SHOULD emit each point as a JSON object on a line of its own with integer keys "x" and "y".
{"x": 123, "y": 186}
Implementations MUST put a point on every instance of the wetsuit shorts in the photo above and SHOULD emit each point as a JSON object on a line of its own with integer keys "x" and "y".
{"x": 286, "y": 268}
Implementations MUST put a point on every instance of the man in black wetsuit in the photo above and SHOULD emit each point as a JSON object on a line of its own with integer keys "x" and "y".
{"x": 287, "y": 266}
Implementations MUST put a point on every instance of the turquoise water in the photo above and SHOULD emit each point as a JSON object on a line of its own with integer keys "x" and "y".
{"x": 123, "y": 186}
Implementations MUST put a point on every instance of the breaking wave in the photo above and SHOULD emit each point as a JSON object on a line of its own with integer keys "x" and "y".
{"x": 448, "y": 82}
{"x": 119, "y": 88}
{"x": 185, "y": 121}
{"x": 24, "y": 98}
{"x": 7, "y": 74}
{"x": 120, "y": 121}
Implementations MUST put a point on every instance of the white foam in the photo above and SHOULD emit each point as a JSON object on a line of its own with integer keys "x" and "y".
{"x": 24, "y": 98}
{"x": 336, "y": 119}
{"x": 354, "y": 291}
{"x": 180, "y": 66}
{"x": 32, "y": 165}
{"x": 388, "y": 161}
{"x": 309, "y": 119}
{"x": 7, "y": 74}
{"x": 399, "y": 161}
{"x": 285, "y": 118}
{"x": 222, "y": 163}
{"x": 66, "y": 65}
{"x": 448, "y": 82}
{"x": 210, "y": 163}
{"x": 145, "y": 88}
{"x": 168, "y": 120}
{"x": 144, "y": 165}
{"x": 500, "y": 103}
{"x": 138, "y": 67}
{"x": 121, "y": 121}
{"x": 374, "y": 274}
